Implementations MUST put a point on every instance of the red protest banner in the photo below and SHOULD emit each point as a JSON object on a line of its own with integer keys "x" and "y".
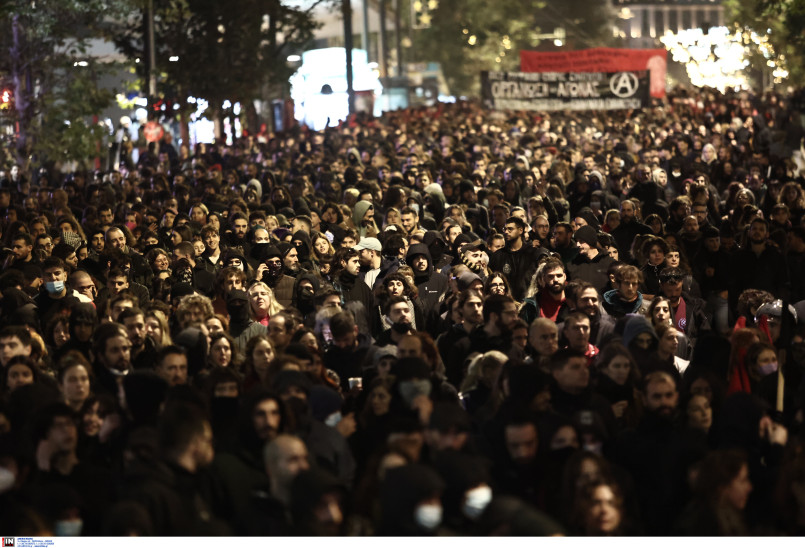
{"x": 600, "y": 60}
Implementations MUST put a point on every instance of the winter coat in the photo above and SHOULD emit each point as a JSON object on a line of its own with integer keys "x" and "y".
{"x": 518, "y": 266}
{"x": 432, "y": 285}
{"x": 592, "y": 270}
{"x": 618, "y": 308}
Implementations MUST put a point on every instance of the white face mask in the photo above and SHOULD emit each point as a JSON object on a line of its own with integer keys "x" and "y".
{"x": 476, "y": 500}
{"x": 68, "y": 528}
{"x": 7, "y": 479}
{"x": 333, "y": 419}
{"x": 428, "y": 516}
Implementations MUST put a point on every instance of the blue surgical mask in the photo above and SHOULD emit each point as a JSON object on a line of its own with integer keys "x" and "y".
{"x": 54, "y": 287}
{"x": 768, "y": 369}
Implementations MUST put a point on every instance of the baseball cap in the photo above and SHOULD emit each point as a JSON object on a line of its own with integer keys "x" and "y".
{"x": 369, "y": 243}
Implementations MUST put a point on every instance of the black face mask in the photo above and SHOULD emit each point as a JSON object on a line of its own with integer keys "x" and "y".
{"x": 560, "y": 456}
{"x": 224, "y": 408}
{"x": 272, "y": 273}
{"x": 306, "y": 295}
{"x": 305, "y": 300}
{"x": 238, "y": 311}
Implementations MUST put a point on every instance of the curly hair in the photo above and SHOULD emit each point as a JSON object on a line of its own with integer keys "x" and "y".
{"x": 190, "y": 305}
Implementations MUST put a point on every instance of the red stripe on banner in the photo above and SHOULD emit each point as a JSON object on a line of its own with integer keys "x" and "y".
{"x": 600, "y": 60}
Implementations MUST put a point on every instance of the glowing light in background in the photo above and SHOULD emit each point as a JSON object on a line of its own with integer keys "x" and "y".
{"x": 719, "y": 57}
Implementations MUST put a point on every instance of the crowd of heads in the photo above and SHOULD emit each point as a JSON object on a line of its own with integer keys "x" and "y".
{"x": 442, "y": 321}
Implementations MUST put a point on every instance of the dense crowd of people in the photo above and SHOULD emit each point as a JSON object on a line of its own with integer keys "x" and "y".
{"x": 443, "y": 321}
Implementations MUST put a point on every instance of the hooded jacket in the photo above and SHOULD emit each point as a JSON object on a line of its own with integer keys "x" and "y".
{"x": 437, "y": 247}
{"x": 305, "y": 304}
{"x": 258, "y": 188}
{"x": 358, "y": 214}
{"x": 618, "y": 308}
{"x": 635, "y": 326}
{"x": 279, "y": 282}
{"x": 18, "y": 308}
{"x": 437, "y": 201}
{"x": 301, "y": 240}
{"x": 432, "y": 285}
{"x": 404, "y": 488}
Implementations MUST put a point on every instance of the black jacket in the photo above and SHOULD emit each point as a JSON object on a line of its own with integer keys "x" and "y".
{"x": 697, "y": 320}
{"x": 518, "y": 266}
{"x": 625, "y": 234}
{"x": 357, "y": 297}
{"x": 717, "y": 279}
{"x": 348, "y": 363}
{"x": 432, "y": 285}
{"x": 592, "y": 270}
{"x": 483, "y": 342}
{"x": 654, "y": 454}
{"x": 178, "y": 502}
{"x": 768, "y": 272}
{"x": 454, "y": 347}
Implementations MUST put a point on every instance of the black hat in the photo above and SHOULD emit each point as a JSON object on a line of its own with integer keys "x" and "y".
{"x": 477, "y": 245}
{"x": 271, "y": 252}
{"x": 284, "y": 248}
{"x": 237, "y": 295}
{"x": 465, "y": 185}
{"x": 461, "y": 239}
{"x": 181, "y": 289}
{"x": 710, "y": 232}
{"x": 586, "y": 234}
{"x": 448, "y": 416}
{"x": 286, "y": 379}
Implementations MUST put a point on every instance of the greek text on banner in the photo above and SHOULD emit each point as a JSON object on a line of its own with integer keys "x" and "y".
{"x": 565, "y": 90}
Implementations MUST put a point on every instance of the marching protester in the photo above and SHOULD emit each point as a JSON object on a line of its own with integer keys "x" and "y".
{"x": 573, "y": 322}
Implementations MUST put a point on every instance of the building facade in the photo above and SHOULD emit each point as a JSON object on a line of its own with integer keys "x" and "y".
{"x": 642, "y": 22}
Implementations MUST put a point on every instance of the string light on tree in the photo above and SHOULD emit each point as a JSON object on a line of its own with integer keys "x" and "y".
{"x": 720, "y": 58}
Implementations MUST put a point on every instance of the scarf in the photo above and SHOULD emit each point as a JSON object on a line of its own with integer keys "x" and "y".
{"x": 739, "y": 377}
{"x": 548, "y": 306}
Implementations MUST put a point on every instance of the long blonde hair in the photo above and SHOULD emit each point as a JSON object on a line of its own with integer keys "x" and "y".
{"x": 274, "y": 305}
